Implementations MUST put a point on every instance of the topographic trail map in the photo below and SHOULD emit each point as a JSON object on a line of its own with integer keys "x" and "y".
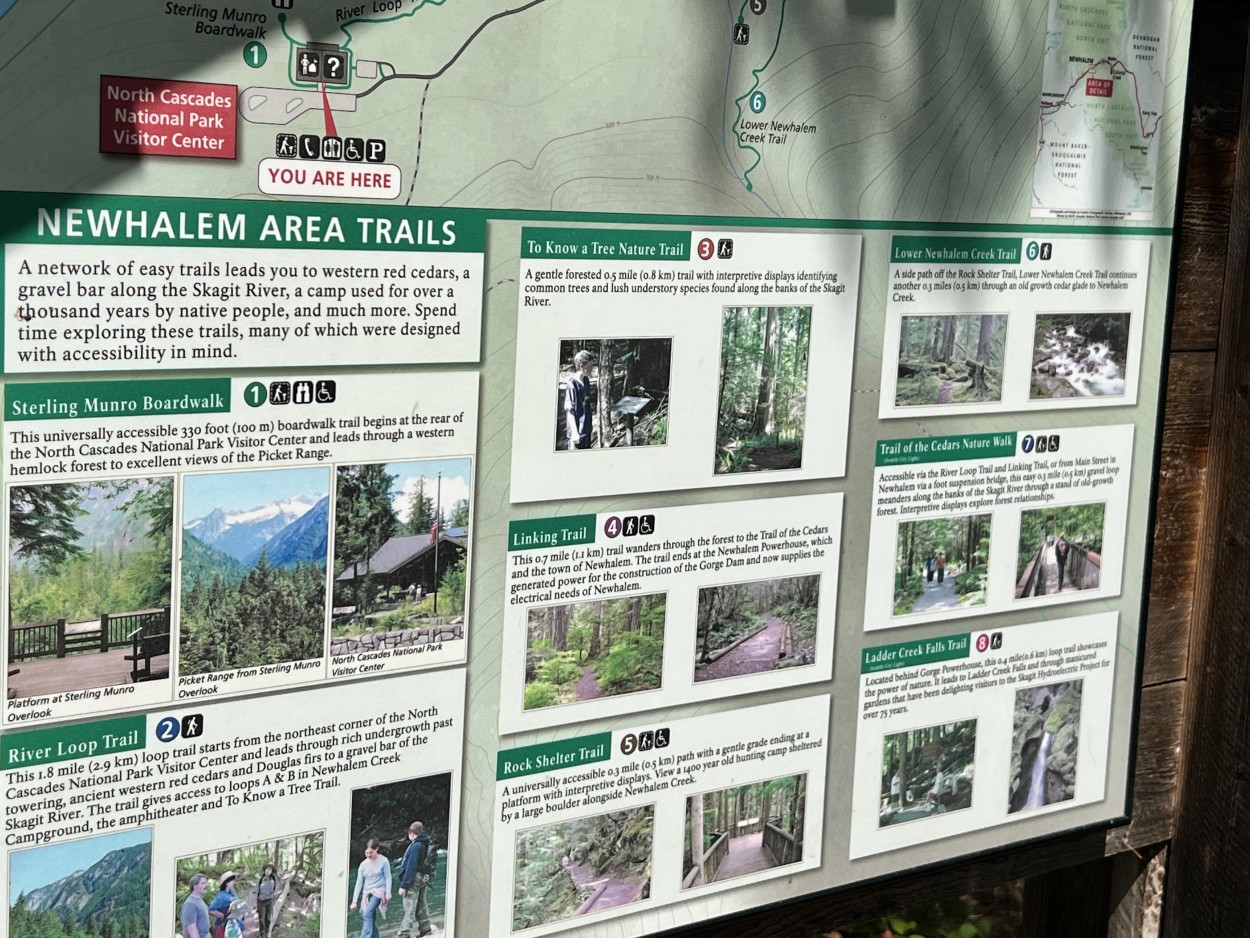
{"x": 746, "y": 107}
{"x": 1102, "y": 103}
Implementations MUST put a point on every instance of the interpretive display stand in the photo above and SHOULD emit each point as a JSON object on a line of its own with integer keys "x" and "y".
{"x": 463, "y": 478}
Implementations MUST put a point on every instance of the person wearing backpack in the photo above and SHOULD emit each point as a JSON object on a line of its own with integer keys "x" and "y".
{"x": 420, "y": 862}
{"x": 1061, "y": 558}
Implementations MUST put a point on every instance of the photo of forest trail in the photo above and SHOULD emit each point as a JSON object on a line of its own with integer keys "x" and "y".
{"x": 927, "y": 772}
{"x": 762, "y": 625}
{"x": 388, "y": 521}
{"x": 941, "y": 564}
{"x": 1060, "y": 549}
{"x": 582, "y": 866}
{"x": 294, "y": 910}
{"x": 950, "y": 360}
{"x": 254, "y": 548}
{"x": 90, "y": 565}
{"x": 1079, "y": 355}
{"x": 742, "y": 830}
{"x": 1045, "y": 742}
{"x": 384, "y": 812}
{"x": 762, "y": 404}
{"x": 618, "y": 397}
{"x": 604, "y": 648}
{"x": 99, "y": 887}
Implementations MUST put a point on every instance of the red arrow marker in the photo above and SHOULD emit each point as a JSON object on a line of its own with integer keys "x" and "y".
{"x": 331, "y": 130}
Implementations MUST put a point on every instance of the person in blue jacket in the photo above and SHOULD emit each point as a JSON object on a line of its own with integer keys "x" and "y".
{"x": 578, "y": 415}
{"x": 413, "y": 883}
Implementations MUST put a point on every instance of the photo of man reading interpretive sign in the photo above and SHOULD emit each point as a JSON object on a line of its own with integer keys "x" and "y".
{"x": 613, "y": 393}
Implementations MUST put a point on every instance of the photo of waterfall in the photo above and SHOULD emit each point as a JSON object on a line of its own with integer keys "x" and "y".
{"x": 1045, "y": 740}
{"x": 1079, "y": 355}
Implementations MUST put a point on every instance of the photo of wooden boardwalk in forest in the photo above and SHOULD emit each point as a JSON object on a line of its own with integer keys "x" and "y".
{"x": 941, "y": 564}
{"x": 90, "y": 572}
{"x": 743, "y": 830}
{"x": 602, "y": 648}
{"x": 583, "y": 866}
{"x": 757, "y": 626}
{"x": 762, "y": 402}
{"x": 950, "y": 360}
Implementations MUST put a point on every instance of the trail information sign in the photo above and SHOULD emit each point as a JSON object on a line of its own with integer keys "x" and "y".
{"x": 567, "y": 467}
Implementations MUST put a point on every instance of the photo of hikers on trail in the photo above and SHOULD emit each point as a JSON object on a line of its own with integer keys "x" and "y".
{"x": 612, "y": 393}
{"x": 1045, "y": 742}
{"x": 762, "y": 403}
{"x": 941, "y": 564}
{"x": 90, "y": 568}
{"x": 743, "y": 830}
{"x": 270, "y": 889}
{"x": 1079, "y": 355}
{"x": 1060, "y": 550}
{"x": 583, "y": 866}
{"x": 927, "y": 772}
{"x": 602, "y": 648}
{"x": 950, "y": 360}
{"x": 399, "y": 858}
{"x": 757, "y": 626}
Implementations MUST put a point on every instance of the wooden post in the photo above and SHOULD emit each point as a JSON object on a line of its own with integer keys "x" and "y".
{"x": 104, "y": 632}
{"x": 1208, "y": 880}
{"x": 60, "y": 638}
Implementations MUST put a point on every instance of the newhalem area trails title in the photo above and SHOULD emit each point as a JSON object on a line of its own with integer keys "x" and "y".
{"x": 284, "y": 228}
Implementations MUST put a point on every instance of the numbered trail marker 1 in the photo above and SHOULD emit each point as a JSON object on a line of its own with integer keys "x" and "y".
{"x": 254, "y": 54}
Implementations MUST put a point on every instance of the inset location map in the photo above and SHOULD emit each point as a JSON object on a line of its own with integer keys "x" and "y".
{"x": 1101, "y": 106}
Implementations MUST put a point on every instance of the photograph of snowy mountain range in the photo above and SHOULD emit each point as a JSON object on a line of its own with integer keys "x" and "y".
{"x": 254, "y": 547}
{"x": 93, "y": 888}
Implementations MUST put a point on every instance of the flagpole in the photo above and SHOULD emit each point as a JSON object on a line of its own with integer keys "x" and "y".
{"x": 438, "y": 534}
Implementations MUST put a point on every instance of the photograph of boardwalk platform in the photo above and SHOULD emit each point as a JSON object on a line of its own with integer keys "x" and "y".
{"x": 89, "y": 585}
{"x": 739, "y": 831}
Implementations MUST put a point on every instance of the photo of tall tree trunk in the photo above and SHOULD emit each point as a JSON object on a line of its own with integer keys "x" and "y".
{"x": 612, "y": 393}
{"x": 941, "y": 564}
{"x": 950, "y": 360}
{"x": 927, "y": 772}
{"x": 742, "y": 830}
{"x": 1080, "y": 355}
{"x": 763, "y": 388}
{"x": 602, "y": 648}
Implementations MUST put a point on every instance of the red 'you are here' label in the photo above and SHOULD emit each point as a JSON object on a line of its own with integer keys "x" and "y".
{"x": 165, "y": 117}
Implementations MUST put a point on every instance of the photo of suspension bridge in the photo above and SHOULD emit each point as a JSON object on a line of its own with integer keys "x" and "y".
{"x": 1060, "y": 549}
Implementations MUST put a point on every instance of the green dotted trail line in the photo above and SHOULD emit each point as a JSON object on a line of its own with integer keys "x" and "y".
{"x": 746, "y": 175}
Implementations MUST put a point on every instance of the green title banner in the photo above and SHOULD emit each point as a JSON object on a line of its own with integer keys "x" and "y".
{"x": 945, "y": 448}
{"x": 548, "y": 757}
{"x": 605, "y": 244}
{"x": 543, "y": 533}
{"x": 62, "y": 743}
{"x": 70, "y": 400}
{"x": 910, "y": 654}
{"x": 912, "y": 249}
{"x": 50, "y": 218}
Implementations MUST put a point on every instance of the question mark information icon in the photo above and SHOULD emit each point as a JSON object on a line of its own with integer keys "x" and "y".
{"x": 334, "y": 68}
